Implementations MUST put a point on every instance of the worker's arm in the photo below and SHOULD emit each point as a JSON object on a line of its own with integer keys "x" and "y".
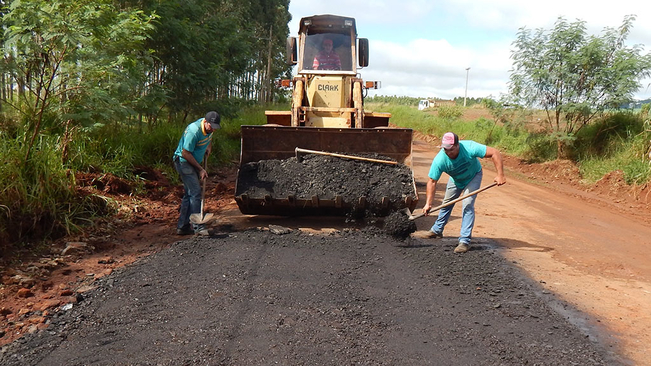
{"x": 190, "y": 158}
{"x": 431, "y": 190}
{"x": 496, "y": 157}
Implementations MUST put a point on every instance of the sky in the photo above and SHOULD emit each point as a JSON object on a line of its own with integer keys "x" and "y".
{"x": 422, "y": 48}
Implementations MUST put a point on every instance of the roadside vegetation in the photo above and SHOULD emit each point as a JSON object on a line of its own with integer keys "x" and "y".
{"x": 73, "y": 104}
{"x": 101, "y": 87}
{"x": 618, "y": 140}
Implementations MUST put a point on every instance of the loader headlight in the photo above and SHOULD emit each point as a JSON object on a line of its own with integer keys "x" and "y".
{"x": 348, "y": 22}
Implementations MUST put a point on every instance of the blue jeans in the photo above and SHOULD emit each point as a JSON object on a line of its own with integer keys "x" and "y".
{"x": 191, "y": 202}
{"x": 468, "y": 218}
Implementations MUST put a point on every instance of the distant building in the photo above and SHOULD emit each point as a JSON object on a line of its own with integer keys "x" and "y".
{"x": 434, "y": 103}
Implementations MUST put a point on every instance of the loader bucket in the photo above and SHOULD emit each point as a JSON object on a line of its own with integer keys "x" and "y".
{"x": 261, "y": 143}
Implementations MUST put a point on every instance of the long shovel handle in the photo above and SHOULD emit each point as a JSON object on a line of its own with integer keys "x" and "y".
{"x": 203, "y": 185}
{"x": 421, "y": 214}
{"x": 298, "y": 150}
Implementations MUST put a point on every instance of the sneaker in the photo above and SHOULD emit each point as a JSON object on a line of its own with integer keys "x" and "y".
{"x": 184, "y": 231}
{"x": 462, "y": 248}
{"x": 426, "y": 234}
{"x": 202, "y": 232}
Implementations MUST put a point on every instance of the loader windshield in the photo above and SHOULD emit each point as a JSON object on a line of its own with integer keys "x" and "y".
{"x": 328, "y": 52}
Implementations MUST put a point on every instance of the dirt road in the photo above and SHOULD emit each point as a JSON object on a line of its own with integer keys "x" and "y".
{"x": 329, "y": 294}
{"x": 577, "y": 245}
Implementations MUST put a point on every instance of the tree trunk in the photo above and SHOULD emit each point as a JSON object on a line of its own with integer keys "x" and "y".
{"x": 267, "y": 88}
{"x": 65, "y": 142}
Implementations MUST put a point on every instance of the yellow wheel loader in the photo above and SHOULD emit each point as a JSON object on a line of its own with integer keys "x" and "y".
{"x": 327, "y": 114}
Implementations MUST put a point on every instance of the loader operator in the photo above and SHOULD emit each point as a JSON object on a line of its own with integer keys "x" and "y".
{"x": 459, "y": 160}
{"x": 195, "y": 143}
{"x": 327, "y": 58}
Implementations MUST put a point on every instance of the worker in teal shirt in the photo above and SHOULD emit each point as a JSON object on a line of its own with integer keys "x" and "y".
{"x": 195, "y": 144}
{"x": 459, "y": 160}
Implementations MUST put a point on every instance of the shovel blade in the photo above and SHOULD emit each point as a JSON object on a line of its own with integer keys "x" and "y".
{"x": 198, "y": 220}
{"x": 410, "y": 215}
{"x": 414, "y": 217}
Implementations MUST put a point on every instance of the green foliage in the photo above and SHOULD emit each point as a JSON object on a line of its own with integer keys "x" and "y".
{"x": 407, "y": 117}
{"x": 38, "y": 197}
{"x": 43, "y": 189}
{"x": 637, "y": 172}
{"x": 574, "y": 76}
{"x": 470, "y": 102}
{"x": 540, "y": 147}
{"x": 604, "y": 137}
{"x": 621, "y": 141}
{"x": 450, "y": 112}
{"x": 66, "y": 56}
{"x": 413, "y": 101}
{"x": 103, "y": 86}
{"x": 644, "y": 111}
{"x": 403, "y": 100}
{"x": 208, "y": 50}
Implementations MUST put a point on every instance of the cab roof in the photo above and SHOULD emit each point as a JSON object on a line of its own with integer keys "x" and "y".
{"x": 326, "y": 23}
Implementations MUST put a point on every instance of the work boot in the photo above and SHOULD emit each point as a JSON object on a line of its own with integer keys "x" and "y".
{"x": 202, "y": 232}
{"x": 186, "y": 230}
{"x": 426, "y": 234}
{"x": 462, "y": 248}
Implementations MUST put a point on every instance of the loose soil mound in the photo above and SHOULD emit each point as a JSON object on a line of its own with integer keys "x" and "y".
{"x": 329, "y": 177}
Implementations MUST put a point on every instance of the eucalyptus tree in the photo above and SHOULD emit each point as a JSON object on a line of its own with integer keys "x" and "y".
{"x": 209, "y": 52}
{"x": 74, "y": 62}
{"x": 5, "y": 89}
{"x": 269, "y": 19}
{"x": 574, "y": 76}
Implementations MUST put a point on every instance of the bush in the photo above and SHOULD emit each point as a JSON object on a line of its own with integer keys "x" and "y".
{"x": 605, "y": 136}
{"x": 450, "y": 112}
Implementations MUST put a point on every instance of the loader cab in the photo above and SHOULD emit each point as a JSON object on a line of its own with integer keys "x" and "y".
{"x": 322, "y": 50}
{"x": 328, "y": 89}
{"x": 316, "y": 34}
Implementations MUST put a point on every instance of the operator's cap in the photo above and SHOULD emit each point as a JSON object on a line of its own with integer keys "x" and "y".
{"x": 213, "y": 118}
{"x": 448, "y": 140}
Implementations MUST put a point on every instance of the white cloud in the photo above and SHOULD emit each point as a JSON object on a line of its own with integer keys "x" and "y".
{"x": 388, "y": 12}
{"x": 429, "y": 68}
{"x": 431, "y": 60}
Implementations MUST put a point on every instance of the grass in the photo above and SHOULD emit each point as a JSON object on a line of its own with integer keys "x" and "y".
{"x": 38, "y": 196}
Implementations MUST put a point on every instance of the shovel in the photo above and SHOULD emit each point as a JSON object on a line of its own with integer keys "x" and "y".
{"x": 201, "y": 218}
{"x": 300, "y": 151}
{"x": 421, "y": 214}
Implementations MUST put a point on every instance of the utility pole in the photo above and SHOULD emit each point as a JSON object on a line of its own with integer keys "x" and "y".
{"x": 466, "y": 95}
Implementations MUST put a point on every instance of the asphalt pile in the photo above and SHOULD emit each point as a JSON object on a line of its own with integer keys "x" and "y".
{"x": 329, "y": 177}
{"x": 268, "y": 296}
{"x": 398, "y": 225}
